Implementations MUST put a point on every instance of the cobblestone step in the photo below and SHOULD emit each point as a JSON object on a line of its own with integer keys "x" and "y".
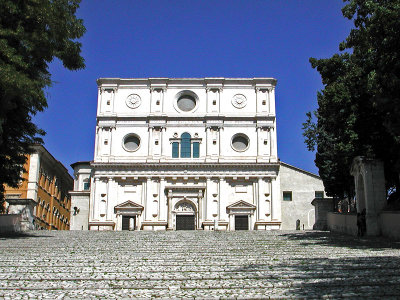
{"x": 199, "y": 264}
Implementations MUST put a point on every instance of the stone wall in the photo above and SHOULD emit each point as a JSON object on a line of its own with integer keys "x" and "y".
{"x": 303, "y": 186}
{"x": 10, "y": 223}
{"x": 345, "y": 223}
{"x": 390, "y": 224}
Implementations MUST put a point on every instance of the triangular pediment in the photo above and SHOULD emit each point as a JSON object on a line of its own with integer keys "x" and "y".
{"x": 128, "y": 204}
{"x": 241, "y": 204}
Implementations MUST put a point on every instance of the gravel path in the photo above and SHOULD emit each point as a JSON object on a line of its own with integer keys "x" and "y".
{"x": 197, "y": 264}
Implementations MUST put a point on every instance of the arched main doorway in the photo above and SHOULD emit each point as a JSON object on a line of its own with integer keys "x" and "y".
{"x": 185, "y": 218}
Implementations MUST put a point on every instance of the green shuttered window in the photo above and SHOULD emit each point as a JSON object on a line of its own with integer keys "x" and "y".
{"x": 175, "y": 150}
{"x": 196, "y": 150}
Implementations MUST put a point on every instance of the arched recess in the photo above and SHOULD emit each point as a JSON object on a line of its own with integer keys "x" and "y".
{"x": 185, "y": 215}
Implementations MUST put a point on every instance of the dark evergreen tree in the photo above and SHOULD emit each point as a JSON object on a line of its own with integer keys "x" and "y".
{"x": 359, "y": 108}
{"x": 32, "y": 33}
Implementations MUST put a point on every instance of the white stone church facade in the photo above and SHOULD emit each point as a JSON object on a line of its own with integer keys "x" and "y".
{"x": 189, "y": 154}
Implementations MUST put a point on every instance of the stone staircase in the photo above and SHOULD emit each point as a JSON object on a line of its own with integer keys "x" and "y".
{"x": 187, "y": 264}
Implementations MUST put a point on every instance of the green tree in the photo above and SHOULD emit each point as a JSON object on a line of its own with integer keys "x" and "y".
{"x": 359, "y": 109}
{"x": 32, "y": 34}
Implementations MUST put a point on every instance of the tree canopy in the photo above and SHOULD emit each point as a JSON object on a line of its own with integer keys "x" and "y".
{"x": 32, "y": 34}
{"x": 359, "y": 108}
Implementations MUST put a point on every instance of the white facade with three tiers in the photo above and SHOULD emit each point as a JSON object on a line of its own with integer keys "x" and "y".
{"x": 193, "y": 153}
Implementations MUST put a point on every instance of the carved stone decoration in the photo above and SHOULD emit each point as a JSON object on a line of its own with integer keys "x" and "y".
{"x": 184, "y": 207}
{"x": 133, "y": 101}
{"x": 239, "y": 101}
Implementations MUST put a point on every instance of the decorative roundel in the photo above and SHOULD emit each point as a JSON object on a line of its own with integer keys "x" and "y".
{"x": 240, "y": 142}
{"x": 131, "y": 142}
{"x": 133, "y": 101}
{"x": 239, "y": 101}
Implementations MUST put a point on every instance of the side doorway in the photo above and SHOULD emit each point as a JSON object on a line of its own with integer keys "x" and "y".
{"x": 241, "y": 222}
{"x": 128, "y": 222}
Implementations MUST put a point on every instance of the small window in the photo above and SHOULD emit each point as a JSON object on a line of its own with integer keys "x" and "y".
{"x": 214, "y": 102}
{"x": 196, "y": 149}
{"x": 319, "y": 194}
{"x": 214, "y": 142}
{"x": 264, "y": 102}
{"x": 105, "y": 142}
{"x": 86, "y": 186}
{"x": 131, "y": 142}
{"x": 265, "y": 142}
{"x": 108, "y": 102}
{"x": 156, "y": 142}
{"x": 287, "y": 196}
{"x": 175, "y": 150}
{"x": 158, "y": 102}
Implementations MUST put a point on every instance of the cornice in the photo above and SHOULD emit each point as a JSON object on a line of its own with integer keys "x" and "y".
{"x": 211, "y": 82}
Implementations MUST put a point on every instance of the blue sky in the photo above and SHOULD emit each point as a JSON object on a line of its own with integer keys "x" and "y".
{"x": 129, "y": 39}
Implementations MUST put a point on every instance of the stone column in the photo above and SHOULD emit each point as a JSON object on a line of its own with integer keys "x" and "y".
{"x": 275, "y": 199}
{"x": 260, "y": 199}
{"x": 162, "y": 215}
{"x": 271, "y": 100}
{"x": 164, "y": 90}
{"x": 207, "y": 100}
{"x": 109, "y": 211}
{"x": 208, "y": 200}
{"x": 220, "y": 140}
{"x": 162, "y": 129}
{"x": 148, "y": 200}
{"x": 150, "y": 151}
{"x": 221, "y": 196}
{"x": 208, "y": 142}
{"x": 94, "y": 197}
{"x": 170, "y": 226}
{"x": 200, "y": 207}
{"x": 259, "y": 142}
{"x": 257, "y": 90}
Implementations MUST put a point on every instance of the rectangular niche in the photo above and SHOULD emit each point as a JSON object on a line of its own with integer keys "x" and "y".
{"x": 241, "y": 189}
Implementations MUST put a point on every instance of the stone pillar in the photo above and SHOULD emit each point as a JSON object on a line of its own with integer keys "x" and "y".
{"x": 109, "y": 210}
{"x": 221, "y": 196}
{"x": 259, "y": 142}
{"x": 208, "y": 200}
{"x": 260, "y": 215}
{"x": 271, "y": 100}
{"x": 200, "y": 207}
{"x": 221, "y": 141}
{"x": 148, "y": 200}
{"x": 369, "y": 179}
{"x": 94, "y": 197}
{"x": 208, "y": 141}
{"x": 275, "y": 200}
{"x": 150, "y": 153}
{"x": 162, "y": 130}
{"x": 170, "y": 226}
{"x": 162, "y": 216}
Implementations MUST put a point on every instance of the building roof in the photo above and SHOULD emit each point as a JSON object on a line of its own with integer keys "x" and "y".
{"x": 73, "y": 165}
{"x": 40, "y": 148}
{"x": 300, "y": 170}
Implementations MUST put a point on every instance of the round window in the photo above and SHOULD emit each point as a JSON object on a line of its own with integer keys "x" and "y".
{"x": 240, "y": 142}
{"x": 131, "y": 142}
{"x": 186, "y": 102}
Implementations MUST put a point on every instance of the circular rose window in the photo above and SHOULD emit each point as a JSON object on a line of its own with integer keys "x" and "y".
{"x": 131, "y": 142}
{"x": 240, "y": 142}
{"x": 186, "y": 102}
